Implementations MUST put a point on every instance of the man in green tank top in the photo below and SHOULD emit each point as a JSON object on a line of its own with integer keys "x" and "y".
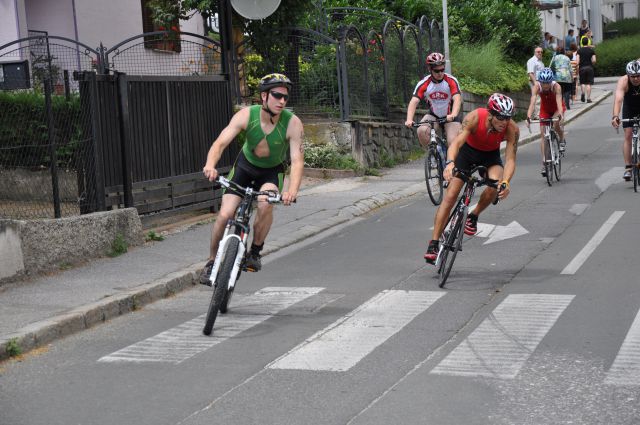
{"x": 270, "y": 131}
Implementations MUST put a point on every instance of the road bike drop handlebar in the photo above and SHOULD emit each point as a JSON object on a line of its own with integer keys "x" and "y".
{"x": 273, "y": 197}
{"x": 543, "y": 121}
{"x": 483, "y": 180}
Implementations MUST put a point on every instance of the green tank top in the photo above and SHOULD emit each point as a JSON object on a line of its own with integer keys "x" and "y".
{"x": 277, "y": 139}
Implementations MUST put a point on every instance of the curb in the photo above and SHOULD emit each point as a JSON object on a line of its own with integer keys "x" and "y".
{"x": 46, "y": 331}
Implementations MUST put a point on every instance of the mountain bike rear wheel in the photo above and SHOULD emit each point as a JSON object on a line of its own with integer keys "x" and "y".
{"x": 452, "y": 245}
{"x": 433, "y": 175}
{"x": 221, "y": 292}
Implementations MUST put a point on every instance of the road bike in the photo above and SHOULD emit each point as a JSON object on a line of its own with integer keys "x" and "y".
{"x": 451, "y": 238}
{"x": 635, "y": 153}
{"x": 434, "y": 162}
{"x": 229, "y": 261}
{"x": 552, "y": 153}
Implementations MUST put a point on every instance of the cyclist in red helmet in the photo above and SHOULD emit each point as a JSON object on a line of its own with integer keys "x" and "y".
{"x": 270, "y": 132}
{"x": 441, "y": 92}
{"x": 478, "y": 143}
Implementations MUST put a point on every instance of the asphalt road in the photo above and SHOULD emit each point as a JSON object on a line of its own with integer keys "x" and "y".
{"x": 538, "y": 324}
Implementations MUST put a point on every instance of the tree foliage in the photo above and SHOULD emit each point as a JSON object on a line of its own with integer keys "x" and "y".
{"x": 513, "y": 24}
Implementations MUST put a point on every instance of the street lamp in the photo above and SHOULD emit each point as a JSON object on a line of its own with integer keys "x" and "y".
{"x": 445, "y": 23}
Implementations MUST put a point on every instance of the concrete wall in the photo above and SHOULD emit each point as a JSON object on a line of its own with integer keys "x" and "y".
{"x": 55, "y": 17}
{"x": 35, "y": 246}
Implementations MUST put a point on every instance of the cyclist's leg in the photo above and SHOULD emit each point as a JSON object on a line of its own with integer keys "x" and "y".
{"x": 544, "y": 114}
{"x": 270, "y": 179}
{"x": 452, "y": 129}
{"x": 558, "y": 127}
{"x": 443, "y": 211}
{"x": 424, "y": 132}
{"x": 495, "y": 169}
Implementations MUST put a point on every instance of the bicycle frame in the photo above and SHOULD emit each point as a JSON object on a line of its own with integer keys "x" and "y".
{"x": 242, "y": 228}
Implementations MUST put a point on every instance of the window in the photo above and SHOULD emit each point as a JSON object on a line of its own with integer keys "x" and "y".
{"x": 619, "y": 11}
{"x": 170, "y": 43}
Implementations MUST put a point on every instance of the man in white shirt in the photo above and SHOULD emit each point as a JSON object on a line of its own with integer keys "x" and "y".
{"x": 534, "y": 65}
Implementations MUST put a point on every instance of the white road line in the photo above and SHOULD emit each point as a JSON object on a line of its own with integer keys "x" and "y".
{"x": 613, "y": 176}
{"x": 626, "y": 367}
{"x": 343, "y": 344}
{"x": 578, "y": 209}
{"x": 503, "y": 342}
{"x": 186, "y": 340}
{"x": 591, "y": 246}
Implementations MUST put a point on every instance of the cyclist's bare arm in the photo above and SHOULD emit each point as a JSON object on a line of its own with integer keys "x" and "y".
{"x": 236, "y": 125}
{"x": 558, "y": 91}
{"x": 457, "y": 104}
{"x": 532, "y": 102}
{"x": 621, "y": 89}
{"x": 512, "y": 137}
{"x": 411, "y": 110}
{"x": 295, "y": 134}
{"x": 469, "y": 125}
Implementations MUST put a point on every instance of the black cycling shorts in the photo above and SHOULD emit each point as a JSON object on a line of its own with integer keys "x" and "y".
{"x": 246, "y": 174}
{"x": 469, "y": 157}
{"x": 586, "y": 75}
{"x": 629, "y": 113}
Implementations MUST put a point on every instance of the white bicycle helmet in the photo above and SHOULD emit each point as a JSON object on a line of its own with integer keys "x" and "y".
{"x": 500, "y": 104}
{"x": 633, "y": 68}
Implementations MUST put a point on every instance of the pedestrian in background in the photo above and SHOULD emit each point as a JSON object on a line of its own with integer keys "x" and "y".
{"x": 568, "y": 40}
{"x": 584, "y": 27}
{"x": 553, "y": 44}
{"x": 586, "y": 61}
{"x": 545, "y": 40}
{"x": 573, "y": 55}
{"x": 534, "y": 65}
{"x": 561, "y": 66}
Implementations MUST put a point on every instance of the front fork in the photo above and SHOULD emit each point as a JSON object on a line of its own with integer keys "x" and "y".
{"x": 242, "y": 247}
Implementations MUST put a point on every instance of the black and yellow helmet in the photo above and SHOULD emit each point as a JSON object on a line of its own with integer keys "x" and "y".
{"x": 270, "y": 81}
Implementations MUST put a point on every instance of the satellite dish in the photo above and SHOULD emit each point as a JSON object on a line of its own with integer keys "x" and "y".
{"x": 255, "y": 9}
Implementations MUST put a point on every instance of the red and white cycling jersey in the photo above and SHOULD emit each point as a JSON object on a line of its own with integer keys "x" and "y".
{"x": 437, "y": 95}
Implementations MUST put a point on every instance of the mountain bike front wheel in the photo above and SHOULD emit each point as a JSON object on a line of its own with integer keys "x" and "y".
{"x": 452, "y": 245}
{"x": 433, "y": 174}
{"x": 221, "y": 292}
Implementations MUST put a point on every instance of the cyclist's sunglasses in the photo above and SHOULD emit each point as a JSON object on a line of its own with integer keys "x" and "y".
{"x": 437, "y": 71}
{"x": 501, "y": 117}
{"x": 279, "y": 95}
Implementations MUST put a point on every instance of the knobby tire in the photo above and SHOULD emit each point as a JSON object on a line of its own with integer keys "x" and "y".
{"x": 453, "y": 245}
{"x": 434, "y": 176}
{"x": 222, "y": 283}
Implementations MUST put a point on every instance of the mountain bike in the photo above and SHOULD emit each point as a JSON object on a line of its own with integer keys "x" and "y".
{"x": 552, "y": 154}
{"x": 229, "y": 261}
{"x": 434, "y": 162}
{"x": 635, "y": 153}
{"x": 451, "y": 238}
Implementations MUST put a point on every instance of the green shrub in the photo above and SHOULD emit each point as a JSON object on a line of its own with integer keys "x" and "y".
{"x": 119, "y": 246}
{"x": 629, "y": 26}
{"x": 514, "y": 22}
{"x": 328, "y": 156}
{"x": 13, "y": 348}
{"x": 613, "y": 55}
{"x": 23, "y": 125}
{"x": 482, "y": 69}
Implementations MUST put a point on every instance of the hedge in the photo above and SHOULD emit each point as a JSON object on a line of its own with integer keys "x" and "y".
{"x": 613, "y": 55}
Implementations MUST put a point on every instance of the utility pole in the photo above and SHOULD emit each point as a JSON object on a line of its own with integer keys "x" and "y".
{"x": 445, "y": 23}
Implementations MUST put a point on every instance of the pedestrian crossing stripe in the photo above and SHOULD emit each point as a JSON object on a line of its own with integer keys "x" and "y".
{"x": 502, "y": 343}
{"x": 186, "y": 340}
{"x": 626, "y": 367}
{"x": 341, "y": 345}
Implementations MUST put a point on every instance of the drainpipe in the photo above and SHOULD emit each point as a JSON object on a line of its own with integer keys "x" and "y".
{"x": 445, "y": 23}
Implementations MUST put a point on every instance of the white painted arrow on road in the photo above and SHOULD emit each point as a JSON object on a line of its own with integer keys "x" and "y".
{"x": 497, "y": 233}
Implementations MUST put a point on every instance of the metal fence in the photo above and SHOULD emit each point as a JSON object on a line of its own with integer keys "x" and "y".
{"x": 361, "y": 64}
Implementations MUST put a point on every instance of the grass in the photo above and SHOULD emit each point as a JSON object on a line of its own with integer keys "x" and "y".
{"x": 119, "y": 246}
{"x": 13, "y": 348}
{"x": 153, "y": 236}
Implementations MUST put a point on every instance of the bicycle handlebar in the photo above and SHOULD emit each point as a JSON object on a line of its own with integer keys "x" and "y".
{"x": 635, "y": 120}
{"x": 273, "y": 197}
{"x": 482, "y": 181}
{"x": 429, "y": 121}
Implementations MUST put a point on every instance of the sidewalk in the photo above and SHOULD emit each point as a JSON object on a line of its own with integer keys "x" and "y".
{"x": 39, "y": 311}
